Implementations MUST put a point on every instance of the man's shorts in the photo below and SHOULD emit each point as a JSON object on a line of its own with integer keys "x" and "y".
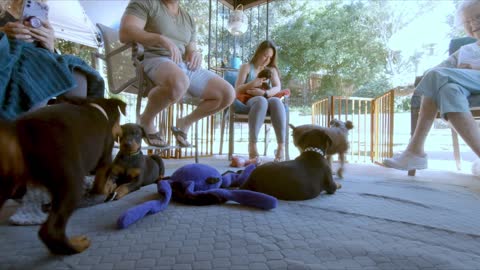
{"x": 198, "y": 78}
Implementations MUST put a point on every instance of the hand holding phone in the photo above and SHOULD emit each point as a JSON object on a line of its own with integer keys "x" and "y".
{"x": 34, "y": 12}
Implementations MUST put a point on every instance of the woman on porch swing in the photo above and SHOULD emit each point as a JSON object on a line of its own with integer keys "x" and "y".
{"x": 261, "y": 101}
{"x": 445, "y": 88}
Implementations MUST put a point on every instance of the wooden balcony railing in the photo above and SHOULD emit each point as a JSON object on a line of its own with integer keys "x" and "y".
{"x": 371, "y": 139}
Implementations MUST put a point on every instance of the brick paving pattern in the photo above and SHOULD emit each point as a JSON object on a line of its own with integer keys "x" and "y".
{"x": 380, "y": 222}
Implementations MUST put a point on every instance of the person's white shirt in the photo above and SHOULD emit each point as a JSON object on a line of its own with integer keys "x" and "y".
{"x": 469, "y": 54}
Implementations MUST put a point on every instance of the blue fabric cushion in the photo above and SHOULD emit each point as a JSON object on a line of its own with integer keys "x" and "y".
{"x": 231, "y": 77}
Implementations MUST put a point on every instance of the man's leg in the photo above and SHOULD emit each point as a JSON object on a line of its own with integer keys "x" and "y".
{"x": 81, "y": 89}
{"x": 171, "y": 85}
{"x": 217, "y": 95}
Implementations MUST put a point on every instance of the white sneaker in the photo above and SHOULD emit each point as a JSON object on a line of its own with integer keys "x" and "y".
{"x": 406, "y": 161}
{"x": 476, "y": 167}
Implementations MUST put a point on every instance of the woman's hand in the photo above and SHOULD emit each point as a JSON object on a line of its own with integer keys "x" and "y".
{"x": 16, "y": 30}
{"x": 256, "y": 92}
{"x": 468, "y": 66}
{"x": 45, "y": 35}
{"x": 465, "y": 66}
{"x": 194, "y": 60}
{"x": 257, "y": 82}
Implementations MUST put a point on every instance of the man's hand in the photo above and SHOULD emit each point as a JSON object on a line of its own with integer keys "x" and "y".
{"x": 16, "y": 30}
{"x": 194, "y": 60}
{"x": 175, "y": 53}
{"x": 45, "y": 35}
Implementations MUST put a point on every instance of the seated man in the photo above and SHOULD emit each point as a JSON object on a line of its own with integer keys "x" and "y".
{"x": 173, "y": 63}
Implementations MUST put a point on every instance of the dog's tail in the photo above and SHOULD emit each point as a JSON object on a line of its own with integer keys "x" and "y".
{"x": 12, "y": 165}
{"x": 160, "y": 164}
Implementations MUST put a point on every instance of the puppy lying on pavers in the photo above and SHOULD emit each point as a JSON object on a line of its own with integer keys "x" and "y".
{"x": 131, "y": 169}
{"x": 56, "y": 147}
{"x": 338, "y": 134}
{"x": 300, "y": 179}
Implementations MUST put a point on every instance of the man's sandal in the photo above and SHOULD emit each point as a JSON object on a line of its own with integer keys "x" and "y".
{"x": 180, "y": 136}
{"x": 155, "y": 139}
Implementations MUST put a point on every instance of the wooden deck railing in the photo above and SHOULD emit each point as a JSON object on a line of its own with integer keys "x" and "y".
{"x": 167, "y": 118}
{"x": 372, "y": 136}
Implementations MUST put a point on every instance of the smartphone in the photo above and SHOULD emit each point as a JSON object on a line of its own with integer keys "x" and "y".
{"x": 35, "y": 12}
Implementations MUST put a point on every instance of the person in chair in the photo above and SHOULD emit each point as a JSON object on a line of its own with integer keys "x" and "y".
{"x": 173, "y": 62}
{"x": 446, "y": 88}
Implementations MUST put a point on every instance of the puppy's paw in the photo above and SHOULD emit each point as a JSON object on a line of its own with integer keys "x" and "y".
{"x": 121, "y": 191}
{"x": 79, "y": 243}
{"x": 110, "y": 186}
{"x": 339, "y": 186}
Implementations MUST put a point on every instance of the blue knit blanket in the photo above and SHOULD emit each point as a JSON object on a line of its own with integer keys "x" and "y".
{"x": 30, "y": 74}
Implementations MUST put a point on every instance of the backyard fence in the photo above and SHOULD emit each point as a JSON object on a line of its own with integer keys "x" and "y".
{"x": 371, "y": 139}
{"x": 167, "y": 118}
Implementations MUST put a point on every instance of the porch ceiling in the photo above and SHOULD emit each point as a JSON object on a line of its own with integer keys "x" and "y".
{"x": 246, "y": 3}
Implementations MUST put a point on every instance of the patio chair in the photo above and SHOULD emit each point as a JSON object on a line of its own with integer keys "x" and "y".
{"x": 416, "y": 100}
{"x": 234, "y": 115}
{"x": 124, "y": 70}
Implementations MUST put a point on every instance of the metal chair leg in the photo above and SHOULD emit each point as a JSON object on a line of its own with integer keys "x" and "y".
{"x": 196, "y": 142}
{"x": 222, "y": 131}
{"x": 231, "y": 133}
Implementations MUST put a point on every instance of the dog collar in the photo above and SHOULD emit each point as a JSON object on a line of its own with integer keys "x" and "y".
{"x": 98, "y": 107}
{"x": 136, "y": 153}
{"x": 314, "y": 149}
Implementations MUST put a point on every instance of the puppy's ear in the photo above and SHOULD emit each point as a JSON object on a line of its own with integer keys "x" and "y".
{"x": 326, "y": 141}
{"x": 144, "y": 134}
{"x": 292, "y": 126}
{"x": 349, "y": 124}
{"x": 122, "y": 106}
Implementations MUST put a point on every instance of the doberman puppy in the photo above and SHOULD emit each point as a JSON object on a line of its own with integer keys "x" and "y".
{"x": 57, "y": 146}
{"x": 131, "y": 169}
{"x": 300, "y": 179}
{"x": 267, "y": 74}
{"x": 338, "y": 134}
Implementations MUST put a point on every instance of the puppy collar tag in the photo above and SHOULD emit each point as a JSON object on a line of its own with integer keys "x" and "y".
{"x": 98, "y": 107}
{"x": 314, "y": 149}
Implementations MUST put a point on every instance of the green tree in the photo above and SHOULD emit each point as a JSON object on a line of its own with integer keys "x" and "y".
{"x": 68, "y": 47}
{"x": 337, "y": 40}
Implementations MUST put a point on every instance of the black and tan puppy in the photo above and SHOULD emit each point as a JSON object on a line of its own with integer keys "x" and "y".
{"x": 57, "y": 146}
{"x": 300, "y": 179}
{"x": 131, "y": 169}
{"x": 267, "y": 74}
{"x": 338, "y": 134}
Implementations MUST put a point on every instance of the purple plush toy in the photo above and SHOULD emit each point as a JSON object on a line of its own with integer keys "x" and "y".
{"x": 199, "y": 184}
